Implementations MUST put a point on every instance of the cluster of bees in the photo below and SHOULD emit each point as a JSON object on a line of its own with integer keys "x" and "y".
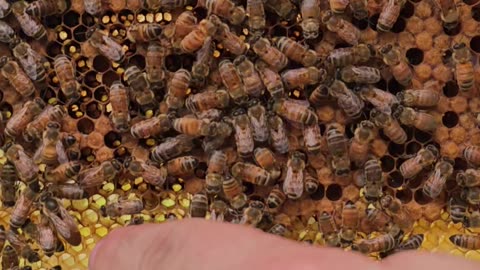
{"x": 255, "y": 96}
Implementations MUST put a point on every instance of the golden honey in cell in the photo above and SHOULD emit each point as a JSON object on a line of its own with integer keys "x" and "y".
{"x": 17, "y": 78}
{"x": 344, "y": 29}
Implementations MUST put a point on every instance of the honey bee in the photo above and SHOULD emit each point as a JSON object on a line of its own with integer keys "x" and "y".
{"x": 95, "y": 176}
{"x": 23, "y": 205}
{"x": 232, "y": 188}
{"x": 391, "y": 127}
{"x": 106, "y": 45}
{"x": 144, "y": 32}
{"x": 373, "y": 171}
{"x": 463, "y": 67}
{"x": 301, "y": 77}
{"x": 436, "y": 181}
{"x": 271, "y": 80}
{"x": 120, "y": 103}
{"x": 265, "y": 158}
{"x": 204, "y": 58}
{"x": 166, "y": 5}
{"x": 122, "y": 207}
{"x": 419, "y": 98}
{"x": 389, "y": 15}
{"x": 94, "y": 7}
{"x": 276, "y": 198}
{"x": 381, "y": 243}
{"x": 338, "y": 6}
{"x": 34, "y": 129}
{"x": 283, "y": 8}
{"x": 380, "y": 99}
{"x": 180, "y": 166}
{"x": 30, "y": 26}
{"x": 364, "y": 134}
{"x": 46, "y": 236}
{"x": 31, "y": 62}
{"x": 449, "y": 13}
{"x": 350, "y": 221}
{"x": 8, "y": 191}
{"x": 471, "y": 154}
{"x": 359, "y": 9}
{"x": 310, "y": 11}
{"x": 24, "y": 165}
{"x": 344, "y": 29}
{"x": 311, "y": 183}
{"x": 278, "y": 134}
{"x": 424, "y": 158}
{"x": 343, "y": 57}
{"x": 232, "y": 81}
{"x": 279, "y": 229}
{"x": 199, "y": 205}
{"x": 296, "y": 52}
{"x": 252, "y": 174}
{"x": 68, "y": 191}
{"x": 19, "y": 242}
{"x": 17, "y": 78}
{"x": 65, "y": 71}
{"x": 207, "y": 100}
{"x": 194, "y": 40}
{"x": 155, "y": 63}
{"x": 19, "y": 121}
{"x": 226, "y": 9}
{"x": 326, "y": 224}
{"x": 471, "y": 195}
{"x": 251, "y": 79}
{"x": 350, "y": 103}
{"x": 378, "y": 219}
{"x": 256, "y": 17}
{"x": 177, "y": 89}
{"x": 9, "y": 258}
{"x": 252, "y": 215}
{"x": 473, "y": 220}
{"x": 360, "y": 74}
{"x": 293, "y": 184}
{"x": 230, "y": 41}
{"x": 150, "y": 174}
{"x": 312, "y": 138}
{"x": 193, "y": 127}
{"x": 468, "y": 178}
{"x": 457, "y": 208}
{"x": 138, "y": 82}
{"x": 185, "y": 23}
{"x": 295, "y": 112}
{"x": 373, "y": 191}
{"x": 171, "y": 148}
{"x": 413, "y": 242}
{"x": 258, "y": 119}
{"x": 218, "y": 210}
{"x": 338, "y": 148}
{"x": 399, "y": 67}
{"x": 43, "y": 8}
{"x": 7, "y": 34}
{"x": 243, "y": 133}
{"x": 51, "y": 150}
{"x": 466, "y": 241}
{"x": 217, "y": 166}
{"x": 394, "y": 208}
{"x": 3, "y": 237}
{"x": 270, "y": 55}
{"x": 418, "y": 119}
{"x": 4, "y": 8}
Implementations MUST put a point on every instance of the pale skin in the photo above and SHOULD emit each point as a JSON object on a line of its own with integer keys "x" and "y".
{"x": 198, "y": 244}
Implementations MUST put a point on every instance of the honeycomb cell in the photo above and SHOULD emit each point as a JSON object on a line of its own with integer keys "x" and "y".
{"x": 85, "y": 126}
{"x": 395, "y": 179}
{"x": 93, "y": 110}
{"x": 475, "y": 44}
{"x": 372, "y": 21}
{"x": 412, "y": 148}
{"x": 90, "y": 79}
{"x": 388, "y": 163}
{"x": 137, "y": 60}
{"x": 53, "y": 49}
{"x": 100, "y": 94}
{"x": 396, "y": 150}
{"x": 112, "y": 139}
{"x": 414, "y": 56}
{"x": 404, "y": 195}
{"x": 109, "y": 77}
{"x": 71, "y": 19}
{"x": 421, "y": 198}
{"x": 408, "y": 10}
{"x": 476, "y": 13}
{"x": 394, "y": 87}
{"x": 450, "y": 119}
{"x": 101, "y": 63}
{"x": 334, "y": 192}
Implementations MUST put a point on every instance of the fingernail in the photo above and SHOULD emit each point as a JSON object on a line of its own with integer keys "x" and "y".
{"x": 93, "y": 255}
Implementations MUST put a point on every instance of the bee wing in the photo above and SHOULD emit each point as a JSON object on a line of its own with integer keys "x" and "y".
{"x": 293, "y": 182}
{"x": 62, "y": 154}
{"x": 65, "y": 226}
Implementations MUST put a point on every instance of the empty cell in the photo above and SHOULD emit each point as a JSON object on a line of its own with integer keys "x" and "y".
{"x": 396, "y": 150}
{"x": 399, "y": 25}
{"x": 404, "y": 195}
{"x": 395, "y": 179}
{"x": 372, "y": 21}
{"x": 475, "y": 44}
{"x": 334, "y": 192}
{"x": 319, "y": 194}
{"x": 408, "y": 10}
{"x": 85, "y": 125}
{"x": 249, "y": 188}
{"x": 460, "y": 164}
{"x": 87, "y": 19}
{"x": 421, "y": 198}
{"x": 201, "y": 170}
{"x": 450, "y": 119}
{"x": 53, "y": 49}
{"x": 453, "y": 31}
{"x": 360, "y": 24}
{"x": 137, "y": 60}
{"x": 414, "y": 56}
{"x": 278, "y": 31}
{"x": 476, "y": 13}
{"x": 422, "y": 137}
{"x": 101, "y": 63}
{"x": 71, "y": 19}
{"x": 388, "y": 163}
{"x": 52, "y": 21}
{"x": 79, "y": 33}
{"x": 171, "y": 63}
{"x": 93, "y": 110}
{"x": 412, "y": 148}
{"x": 394, "y": 87}
{"x": 450, "y": 89}
{"x": 109, "y": 77}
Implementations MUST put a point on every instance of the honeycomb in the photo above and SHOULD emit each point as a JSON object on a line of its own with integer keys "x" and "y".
{"x": 418, "y": 31}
